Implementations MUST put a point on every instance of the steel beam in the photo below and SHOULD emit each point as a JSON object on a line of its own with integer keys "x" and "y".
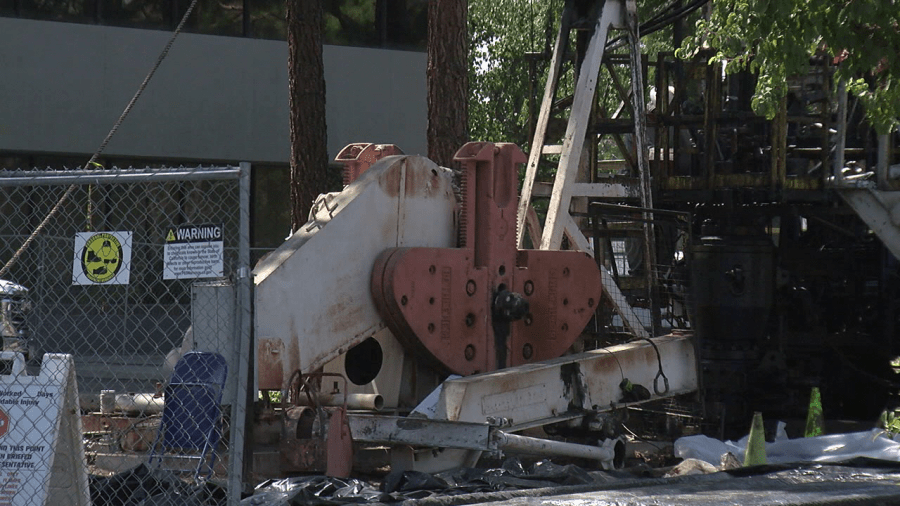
{"x": 586, "y": 382}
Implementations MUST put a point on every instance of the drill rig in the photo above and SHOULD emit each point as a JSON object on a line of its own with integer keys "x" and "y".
{"x": 411, "y": 279}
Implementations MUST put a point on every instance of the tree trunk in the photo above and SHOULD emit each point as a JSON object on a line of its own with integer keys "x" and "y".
{"x": 448, "y": 80}
{"x": 306, "y": 80}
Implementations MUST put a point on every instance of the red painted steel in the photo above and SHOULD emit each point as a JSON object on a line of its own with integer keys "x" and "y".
{"x": 441, "y": 300}
{"x": 303, "y": 448}
{"x": 358, "y": 157}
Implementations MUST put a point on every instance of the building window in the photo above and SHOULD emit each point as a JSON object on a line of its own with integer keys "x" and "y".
{"x": 267, "y": 19}
{"x": 78, "y": 11}
{"x": 399, "y": 24}
{"x": 136, "y": 13}
{"x": 392, "y": 24}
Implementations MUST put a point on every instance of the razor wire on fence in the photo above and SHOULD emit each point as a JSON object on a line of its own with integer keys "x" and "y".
{"x": 123, "y": 323}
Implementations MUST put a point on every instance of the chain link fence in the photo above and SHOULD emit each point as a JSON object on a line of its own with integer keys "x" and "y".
{"x": 142, "y": 278}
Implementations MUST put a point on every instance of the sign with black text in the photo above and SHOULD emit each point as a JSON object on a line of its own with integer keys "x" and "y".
{"x": 193, "y": 251}
{"x": 42, "y": 459}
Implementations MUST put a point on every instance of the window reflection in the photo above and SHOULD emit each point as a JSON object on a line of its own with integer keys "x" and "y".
{"x": 267, "y": 19}
{"x": 58, "y": 10}
{"x": 156, "y": 14}
{"x": 396, "y": 24}
{"x": 215, "y": 17}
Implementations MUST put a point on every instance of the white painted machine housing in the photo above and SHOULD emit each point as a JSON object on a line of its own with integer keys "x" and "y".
{"x": 313, "y": 300}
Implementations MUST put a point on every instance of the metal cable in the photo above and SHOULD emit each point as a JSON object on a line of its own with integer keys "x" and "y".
{"x": 658, "y": 23}
{"x": 660, "y": 373}
{"x": 65, "y": 196}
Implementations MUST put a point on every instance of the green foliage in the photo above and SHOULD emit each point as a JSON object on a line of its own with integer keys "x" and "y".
{"x": 501, "y": 32}
{"x": 776, "y": 39}
{"x": 274, "y": 396}
{"x": 890, "y": 422}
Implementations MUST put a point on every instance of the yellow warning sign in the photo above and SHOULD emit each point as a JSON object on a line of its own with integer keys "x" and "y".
{"x": 170, "y": 236}
{"x": 102, "y": 258}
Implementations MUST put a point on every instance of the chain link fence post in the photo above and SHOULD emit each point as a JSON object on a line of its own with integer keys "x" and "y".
{"x": 140, "y": 280}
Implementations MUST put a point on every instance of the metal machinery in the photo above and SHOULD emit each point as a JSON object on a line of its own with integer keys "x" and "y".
{"x": 785, "y": 258}
{"x": 793, "y": 267}
{"x": 396, "y": 283}
{"x": 16, "y": 305}
{"x": 782, "y": 263}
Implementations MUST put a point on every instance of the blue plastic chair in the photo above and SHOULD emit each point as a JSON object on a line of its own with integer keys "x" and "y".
{"x": 192, "y": 412}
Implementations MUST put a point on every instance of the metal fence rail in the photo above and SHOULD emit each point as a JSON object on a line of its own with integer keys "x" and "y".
{"x": 135, "y": 270}
{"x": 660, "y": 301}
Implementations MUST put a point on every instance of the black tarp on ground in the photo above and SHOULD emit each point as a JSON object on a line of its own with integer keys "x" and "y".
{"x": 858, "y": 482}
{"x": 412, "y": 485}
{"x": 142, "y": 486}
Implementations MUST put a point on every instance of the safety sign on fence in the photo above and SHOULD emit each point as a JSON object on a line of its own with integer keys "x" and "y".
{"x": 193, "y": 251}
{"x": 41, "y": 453}
{"x": 102, "y": 258}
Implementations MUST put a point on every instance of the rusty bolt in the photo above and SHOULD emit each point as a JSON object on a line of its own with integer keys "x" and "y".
{"x": 565, "y": 271}
{"x": 470, "y": 287}
{"x": 527, "y": 351}
{"x": 431, "y": 328}
{"x": 470, "y": 353}
{"x": 403, "y": 300}
{"x": 565, "y": 327}
{"x": 432, "y": 269}
{"x": 529, "y": 319}
{"x": 470, "y": 320}
{"x": 431, "y": 300}
{"x": 529, "y": 287}
{"x": 591, "y": 302}
{"x": 502, "y": 270}
{"x": 565, "y": 302}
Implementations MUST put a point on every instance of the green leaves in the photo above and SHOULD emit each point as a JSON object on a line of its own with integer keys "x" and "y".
{"x": 501, "y": 33}
{"x": 776, "y": 38}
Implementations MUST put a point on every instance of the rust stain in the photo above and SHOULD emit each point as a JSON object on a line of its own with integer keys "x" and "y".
{"x": 269, "y": 352}
{"x": 344, "y": 313}
{"x": 390, "y": 179}
{"x": 423, "y": 178}
{"x": 293, "y": 352}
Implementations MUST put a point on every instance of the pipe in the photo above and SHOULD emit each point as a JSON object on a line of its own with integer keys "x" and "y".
{"x": 884, "y": 160}
{"x": 370, "y": 402}
{"x": 841, "y": 132}
{"x": 141, "y": 403}
{"x": 611, "y": 453}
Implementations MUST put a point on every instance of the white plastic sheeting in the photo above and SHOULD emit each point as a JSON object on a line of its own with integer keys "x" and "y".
{"x": 874, "y": 444}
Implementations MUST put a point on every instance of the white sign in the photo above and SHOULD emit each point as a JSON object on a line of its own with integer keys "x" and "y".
{"x": 193, "y": 251}
{"x": 41, "y": 452}
{"x": 102, "y": 258}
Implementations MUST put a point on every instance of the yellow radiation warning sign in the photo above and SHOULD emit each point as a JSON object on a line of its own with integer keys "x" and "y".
{"x": 102, "y": 258}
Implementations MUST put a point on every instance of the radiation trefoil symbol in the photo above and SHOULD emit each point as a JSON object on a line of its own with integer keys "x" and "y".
{"x": 101, "y": 257}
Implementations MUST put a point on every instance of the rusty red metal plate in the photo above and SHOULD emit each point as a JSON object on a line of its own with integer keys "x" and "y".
{"x": 440, "y": 301}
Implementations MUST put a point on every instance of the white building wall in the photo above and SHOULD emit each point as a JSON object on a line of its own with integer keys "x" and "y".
{"x": 63, "y": 85}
